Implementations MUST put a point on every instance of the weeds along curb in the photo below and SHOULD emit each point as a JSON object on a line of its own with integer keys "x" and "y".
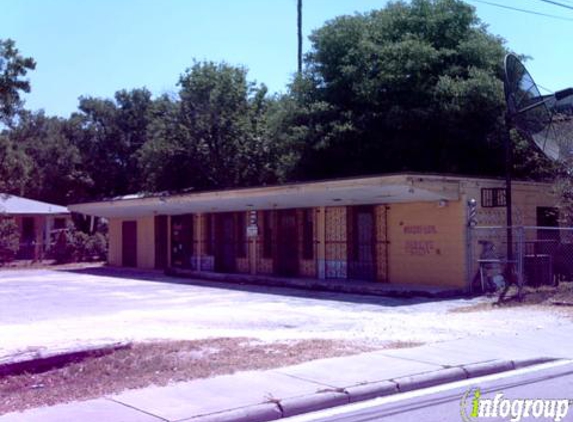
{"x": 278, "y": 409}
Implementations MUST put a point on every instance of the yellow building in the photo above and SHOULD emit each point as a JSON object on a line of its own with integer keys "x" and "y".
{"x": 403, "y": 229}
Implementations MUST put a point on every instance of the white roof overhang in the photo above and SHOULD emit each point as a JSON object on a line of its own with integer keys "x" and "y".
{"x": 360, "y": 191}
{"x": 16, "y": 205}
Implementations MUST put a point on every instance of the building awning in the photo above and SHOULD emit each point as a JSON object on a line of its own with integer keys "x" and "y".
{"x": 12, "y": 205}
{"x": 356, "y": 191}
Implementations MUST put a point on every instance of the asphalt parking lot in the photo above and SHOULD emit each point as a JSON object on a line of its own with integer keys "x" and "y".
{"x": 44, "y": 309}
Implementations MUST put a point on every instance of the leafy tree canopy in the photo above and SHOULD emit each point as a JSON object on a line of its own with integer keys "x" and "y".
{"x": 53, "y": 165}
{"x": 413, "y": 86}
{"x": 109, "y": 134}
{"x": 13, "y": 69}
{"x": 213, "y": 135}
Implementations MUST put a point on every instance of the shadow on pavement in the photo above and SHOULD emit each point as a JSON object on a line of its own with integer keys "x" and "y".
{"x": 160, "y": 276}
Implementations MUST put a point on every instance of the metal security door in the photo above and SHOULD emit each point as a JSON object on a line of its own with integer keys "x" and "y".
{"x": 362, "y": 244}
{"x": 161, "y": 242}
{"x": 129, "y": 243}
{"x": 182, "y": 240}
{"x": 287, "y": 244}
{"x": 28, "y": 239}
{"x": 226, "y": 243}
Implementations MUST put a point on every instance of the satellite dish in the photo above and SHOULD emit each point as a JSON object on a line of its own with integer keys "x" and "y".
{"x": 545, "y": 120}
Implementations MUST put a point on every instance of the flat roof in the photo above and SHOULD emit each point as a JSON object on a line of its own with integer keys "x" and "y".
{"x": 11, "y": 204}
{"x": 385, "y": 189}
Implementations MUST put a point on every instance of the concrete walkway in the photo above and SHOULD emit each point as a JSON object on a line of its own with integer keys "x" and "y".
{"x": 359, "y": 287}
{"x": 253, "y": 396}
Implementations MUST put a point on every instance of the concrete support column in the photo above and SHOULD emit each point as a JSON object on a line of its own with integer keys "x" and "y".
{"x": 40, "y": 227}
{"x": 253, "y": 254}
{"x": 200, "y": 240}
{"x": 321, "y": 242}
{"x": 48, "y": 225}
{"x": 169, "y": 245}
{"x": 253, "y": 250}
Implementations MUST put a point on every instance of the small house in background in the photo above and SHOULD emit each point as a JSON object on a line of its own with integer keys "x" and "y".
{"x": 35, "y": 220}
{"x": 401, "y": 229}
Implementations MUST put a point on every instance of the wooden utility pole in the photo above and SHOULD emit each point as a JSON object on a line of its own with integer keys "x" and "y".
{"x": 299, "y": 34}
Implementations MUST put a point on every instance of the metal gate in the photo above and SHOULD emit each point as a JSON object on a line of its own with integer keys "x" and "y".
{"x": 336, "y": 248}
{"x": 287, "y": 253}
{"x": 361, "y": 243}
{"x": 356, "y": 245}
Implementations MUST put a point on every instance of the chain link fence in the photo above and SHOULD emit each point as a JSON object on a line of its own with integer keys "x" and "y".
{"x": 538, "y": 256}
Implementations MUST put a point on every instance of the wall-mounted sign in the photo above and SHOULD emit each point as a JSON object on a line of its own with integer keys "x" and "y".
{"x": 252, "y": 217}
{"x": 252, "y": 230}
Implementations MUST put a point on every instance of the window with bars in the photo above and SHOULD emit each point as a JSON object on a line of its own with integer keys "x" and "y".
{"x": 493, "y": 197}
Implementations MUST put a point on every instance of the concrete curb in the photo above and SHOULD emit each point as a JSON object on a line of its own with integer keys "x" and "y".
{"x": 429, "y": 379}
{"x": 322, "y": 400}
{"x": 36, "y": 361}
{"x": 475, "y": 370}
{"x": 522, "y": 363}
{"x": 258, "y": 413}
{"x": 371, "y": 390}
{"x": 310, "y": 403}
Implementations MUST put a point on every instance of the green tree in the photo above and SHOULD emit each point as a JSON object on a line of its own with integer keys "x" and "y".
{"x": 109, "y": 135}
{"x": 55, "y": 169}
{"x": 14, "y": 164}
{"x": 212, "y": 136}
{"x": 9, "y": 239}
{"x": 13, "y": 69}
{"x": 413, "y": 86}
{"x": 15, "y": 167}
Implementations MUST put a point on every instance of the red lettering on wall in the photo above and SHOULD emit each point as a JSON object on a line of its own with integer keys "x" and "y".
{"x": 420, "y": 230}
{"x": 419, "y": 247}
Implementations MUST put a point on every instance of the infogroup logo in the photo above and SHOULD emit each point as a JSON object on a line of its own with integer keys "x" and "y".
{"x": 474, "y": 407}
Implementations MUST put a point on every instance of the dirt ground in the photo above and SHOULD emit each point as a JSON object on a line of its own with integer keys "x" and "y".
{"x": 160, "y": 363}
{"x": 552, "y": 299}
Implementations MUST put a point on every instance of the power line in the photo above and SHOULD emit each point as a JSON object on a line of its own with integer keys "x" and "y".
{"x": 531, "y": 12}
{"x": 555, "y": 3}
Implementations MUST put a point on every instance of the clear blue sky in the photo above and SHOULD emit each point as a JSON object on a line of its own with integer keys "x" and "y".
{"x": 96, "y": 47}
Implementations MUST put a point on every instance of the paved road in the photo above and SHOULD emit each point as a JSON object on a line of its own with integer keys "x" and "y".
{"x": 443, "y": 403}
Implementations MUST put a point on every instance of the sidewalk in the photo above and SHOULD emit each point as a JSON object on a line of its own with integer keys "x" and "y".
{"x": 253, "y": 396}
{"x": 359, "y": 287}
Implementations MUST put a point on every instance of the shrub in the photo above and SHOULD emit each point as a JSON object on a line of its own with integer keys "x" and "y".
{"x": 72, "y": 245}
{"x": 95, "y": 247}
{"x": 9, "y": 239}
